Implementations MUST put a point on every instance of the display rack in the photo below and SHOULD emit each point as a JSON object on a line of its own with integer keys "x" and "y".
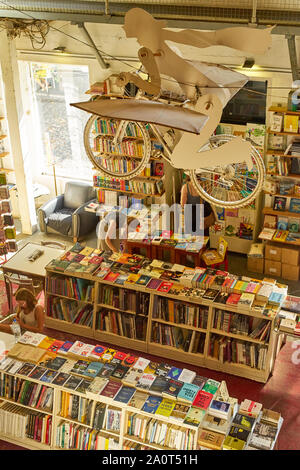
{"x": 151, "y": 345}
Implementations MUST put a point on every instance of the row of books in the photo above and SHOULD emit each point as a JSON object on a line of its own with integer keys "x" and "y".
{"x": 151, "y": 387}
{"x": 281, "y": 204}
{"x": 173, "y": 336}
{"x": 70, "y": 311}
{"x": 242, "y": 325}
{"x": 114, "y": 198}
{"x": 26, "y": 392}
{"x": 105, "y": 145}
{"x": 291, "y": 224}
{"x": 122, "y": 324}
{"x": 76, "y": 407}
{"x": 124, "y": 269}
{"x": 125, "y": 299}
{"x": 278, "y": 235}
{"x": 178, "y": 312}
{"x": 134, "y": 186}
{"x": 229, "y": 350}
{"x": 74, "y": 436}
{"x": 76, "y": 288}
{"x": 109, "y": 126}
{"x": 21, "y": 423}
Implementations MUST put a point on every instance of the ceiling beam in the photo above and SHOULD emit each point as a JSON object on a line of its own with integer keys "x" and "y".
{"x": 293, "y": 56}
{"x": 90, "y": 41}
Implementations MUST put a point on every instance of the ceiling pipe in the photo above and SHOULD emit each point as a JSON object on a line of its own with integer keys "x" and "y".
{"x": 88, "y": 38}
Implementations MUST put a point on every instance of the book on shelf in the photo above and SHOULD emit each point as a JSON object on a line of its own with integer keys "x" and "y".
{"x": 151, "y": 404}
{"x": 194, "y": 416}
{"x": 210, "y": 439}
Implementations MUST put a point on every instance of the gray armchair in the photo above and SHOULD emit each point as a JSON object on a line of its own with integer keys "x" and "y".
{"x": 66, "y": 213}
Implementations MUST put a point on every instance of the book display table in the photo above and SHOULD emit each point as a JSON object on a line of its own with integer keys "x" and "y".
{"x": 62, "y": 395}
{"x": 203, "y": 316}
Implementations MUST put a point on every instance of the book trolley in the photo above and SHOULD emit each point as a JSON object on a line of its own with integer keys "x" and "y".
{"x": 42, "y": 408}
{"x": 147, "y": 331}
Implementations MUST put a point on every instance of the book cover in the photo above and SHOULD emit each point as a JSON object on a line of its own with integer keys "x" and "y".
{"x": 61, "y": 379}
{"x": 243, "y": 421}
{"x": 151, "y": 404}
{"x": 180, "y": 411}
{"x": 26, "y": 369}
{"x": 129, "y": 360}
{"x": 119, "y": 355}
{"x": 202, "y": 399}
{"x": 188, "y": 392}
{"x": 132, "y": 377}
{"x": 166, "y": 407}
{"x": 165, "y": 286}
{"x": 145, "y": 381}
{"x": 233, "y": 299}
{"x": 80, "y": 367}
{"x": 219, "y": 408}
{"x": 48, "y": 376}
{"x": 125, "y": 394}
{"x": 215, "y": 423}
{"x": 120, "y": 372}
{"x": 233, "y": 443}
{"x": 107, "y": 355}
{"x": 37, "y": 372}
{"x": 83, "y": 386}
{"x": 174, "y": 373}
{"x": 111, "y": 389}
{"x": 73, "y": 382}
{"x": 64, "y": 349}
{"x": 210, "y": 440}
{"x": 154, "y": 284}
{"x": 279, "y": 203}
{"x": 173, "y": 388}
{"x": 187, "y": 375}
{"x": 159, "y": 385}
{"x": 194, "y": 416}
{"x": 93, "y": 369}
{"x": 210, "y": 294}
{"x": 98, "y": 351}
{"x": 294, "y": 205}
{"x": 55, "y": 346}
{"x": 95, "y": 387}
{"x": 141, "y": 363}
{"x": 239, "y": 433}
{"x": 107, "y": 370}
{"x": 138, "y": 399}
{"x": 200, "y": 381}
{"x": 55, "y": 363}
{"x": 250, "y": 408}
{"x": 211, "y": 386}
{"x": 163, "y": 369}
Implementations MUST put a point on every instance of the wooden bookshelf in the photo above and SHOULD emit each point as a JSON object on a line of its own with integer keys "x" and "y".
{"x": 163, "y": 350}
{"x": 270, "y": 211}
{"x": 296, "y": 134}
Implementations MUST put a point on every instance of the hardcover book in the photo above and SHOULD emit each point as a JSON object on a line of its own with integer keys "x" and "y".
{"x": 151, "y": 404}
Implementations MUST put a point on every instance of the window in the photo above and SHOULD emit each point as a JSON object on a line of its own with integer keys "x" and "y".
{"x": 54, "y": 87}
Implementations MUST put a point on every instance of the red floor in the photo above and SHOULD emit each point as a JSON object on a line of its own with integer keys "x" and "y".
{"x": 281, "y": 392}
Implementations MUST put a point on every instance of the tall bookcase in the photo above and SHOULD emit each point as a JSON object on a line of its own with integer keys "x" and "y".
{"x": 175, "y": 339}
{"x": 7, "y": 181}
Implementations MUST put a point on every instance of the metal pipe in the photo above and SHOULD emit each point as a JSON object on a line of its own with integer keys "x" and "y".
{"x": 88, "y": 38}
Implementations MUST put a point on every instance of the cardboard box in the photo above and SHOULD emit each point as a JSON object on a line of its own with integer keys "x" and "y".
{"x": 273, "y": 252}
{"x": 255, "y": 265}
{"x": 290, "y": 255}
{"x": 290, "y": 272}
{"x": 273, "y": 268}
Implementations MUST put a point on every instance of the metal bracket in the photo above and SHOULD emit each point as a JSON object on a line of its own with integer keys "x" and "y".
{"x": 87, "y": 36}
{"x": 293, "y": 55}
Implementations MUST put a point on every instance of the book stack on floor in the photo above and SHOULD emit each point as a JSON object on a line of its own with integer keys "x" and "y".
{"x": 76, "y": 395}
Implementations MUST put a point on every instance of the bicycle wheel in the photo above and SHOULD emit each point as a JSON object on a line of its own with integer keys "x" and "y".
{"x": 233, "y": 185}
{"x": 117, "y": 148}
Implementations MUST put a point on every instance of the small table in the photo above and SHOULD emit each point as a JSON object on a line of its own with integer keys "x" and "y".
{"x": 19, "y": 263}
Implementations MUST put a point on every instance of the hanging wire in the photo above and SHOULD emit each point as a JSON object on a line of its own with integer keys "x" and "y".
{"x": 35, "y": 30}
{"x": 111, "y": 57}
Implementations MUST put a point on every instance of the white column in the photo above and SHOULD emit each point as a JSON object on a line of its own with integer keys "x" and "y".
{"x": 20, "y": 135}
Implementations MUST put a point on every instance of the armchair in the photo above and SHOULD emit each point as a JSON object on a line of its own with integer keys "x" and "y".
{"x": 66, "y": 213}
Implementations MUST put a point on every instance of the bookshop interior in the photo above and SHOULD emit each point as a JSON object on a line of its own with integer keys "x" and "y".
{"x": 150, "y": 225}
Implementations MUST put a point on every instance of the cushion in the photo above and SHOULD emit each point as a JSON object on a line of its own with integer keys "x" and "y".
{"x": 77, "y": 193}
{"x": 61, "y": 220}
